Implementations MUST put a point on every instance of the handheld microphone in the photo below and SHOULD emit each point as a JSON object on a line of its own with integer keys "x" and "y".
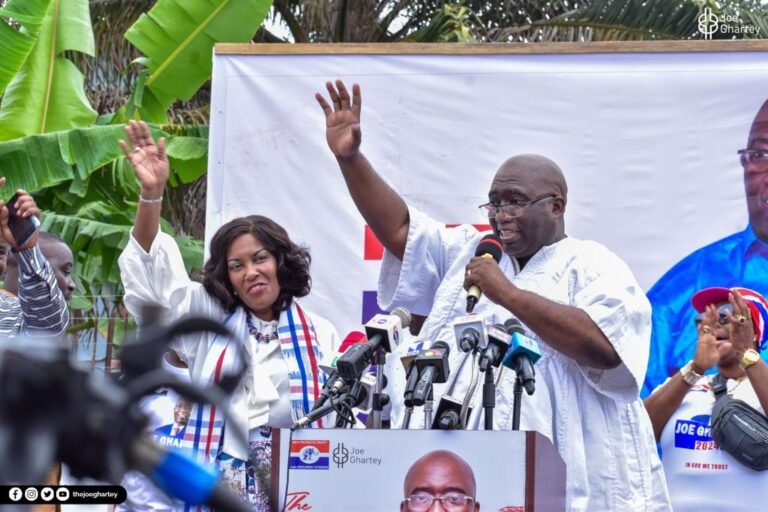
{"x": 383, "y": 332}
{"x": 448, "y": 414}
{"x": 489, "y": 247}
{"x": 334, "y": 384}
{"x": 181, "y": 476}
{"x": 432, "y": 365}
{"x": 470, "y": 332}
{"x": 522, "y": 355}
{"x": 498, "y": 344}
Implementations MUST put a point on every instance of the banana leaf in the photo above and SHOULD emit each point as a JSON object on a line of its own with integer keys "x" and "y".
{"x": 41, "y": 161}
{"x": 47, "y": 93}
{"x": 17, "y": 42}
{"x": 177, "y": 38}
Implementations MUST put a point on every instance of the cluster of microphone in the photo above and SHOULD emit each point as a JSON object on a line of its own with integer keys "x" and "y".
{"x": 355, "y": 372}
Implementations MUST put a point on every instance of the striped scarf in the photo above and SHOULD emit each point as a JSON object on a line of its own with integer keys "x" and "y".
{"x": 298, "y": 343}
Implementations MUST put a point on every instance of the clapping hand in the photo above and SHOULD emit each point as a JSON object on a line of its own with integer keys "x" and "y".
{"x": 707, "y": 350}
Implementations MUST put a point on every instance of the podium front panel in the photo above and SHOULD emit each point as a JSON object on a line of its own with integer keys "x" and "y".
{"x": 355, "y": 470}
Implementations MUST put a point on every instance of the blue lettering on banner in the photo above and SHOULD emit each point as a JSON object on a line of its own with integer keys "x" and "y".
{"x": 688, "y": 432}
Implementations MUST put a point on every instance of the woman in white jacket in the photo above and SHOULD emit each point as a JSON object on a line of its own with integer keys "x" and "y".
{"x": 252, "y": 278}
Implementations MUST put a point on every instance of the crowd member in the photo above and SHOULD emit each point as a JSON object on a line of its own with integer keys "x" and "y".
{"x": 251, "y": 282}
{"x": 40, "y": 307}
{"x": 579, "y": 300}
{"x": 740, "y": 259}
{"x": 59, "y": 257}
{"x": 440, "y": 476}
{"x": 701, "y": 476}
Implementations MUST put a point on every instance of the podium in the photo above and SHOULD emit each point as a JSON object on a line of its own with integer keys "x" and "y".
{"x": 326, "y": 470}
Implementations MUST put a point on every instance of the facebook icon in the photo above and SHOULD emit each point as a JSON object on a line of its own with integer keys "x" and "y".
{"x": 15, "y": 494}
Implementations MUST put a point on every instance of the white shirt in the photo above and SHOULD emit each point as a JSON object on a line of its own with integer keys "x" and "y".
{"x": 596, "y": 419}
{"x": 159, "y": 277}
{"x": 700, "y": 475}
{"x": 269, "y": 397}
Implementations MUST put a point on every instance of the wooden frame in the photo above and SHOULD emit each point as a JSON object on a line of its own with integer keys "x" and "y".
{"x": 740, "y": 45}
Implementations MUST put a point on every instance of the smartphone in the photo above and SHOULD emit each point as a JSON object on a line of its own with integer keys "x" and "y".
{"x": 21, "y": 228}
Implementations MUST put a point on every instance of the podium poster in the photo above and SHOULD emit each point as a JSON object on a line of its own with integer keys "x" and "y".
{"x": 364, "y": 470}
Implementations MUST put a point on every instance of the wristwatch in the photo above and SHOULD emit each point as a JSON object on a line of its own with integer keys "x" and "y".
{"x": 690, "y": 376}
{"x": 749, "y": 358}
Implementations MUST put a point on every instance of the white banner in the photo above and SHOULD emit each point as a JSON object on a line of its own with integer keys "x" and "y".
{"x": 647, "y": 143}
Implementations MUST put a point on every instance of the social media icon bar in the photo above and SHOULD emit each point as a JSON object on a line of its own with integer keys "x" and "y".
{"x": 71, "y": 494}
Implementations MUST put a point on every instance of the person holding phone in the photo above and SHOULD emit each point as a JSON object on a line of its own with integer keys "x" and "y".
{"x": 40, "y": 307}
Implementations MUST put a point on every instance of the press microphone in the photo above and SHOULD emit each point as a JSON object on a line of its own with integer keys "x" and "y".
{"x": 489, "y": 247}
{"x": 383, "y": 332}
{"x": 334, "y": 384}
{"x": 432, "y": 366}
{"x": 182, "y": 477}
{"x": 358, "y": 393}
{"x": 411, "y": 372}
{"x": 522, "y": 355}
{"x": 498, "y": 344}
{"x": 448, "y": 414}
{"x": 470, "y": 333}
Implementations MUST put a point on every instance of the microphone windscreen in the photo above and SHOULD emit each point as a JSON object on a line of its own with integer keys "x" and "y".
{"x": 513, "y": 325}
{"x": 490, "y": 244}
{"x": 441, "y": 344}
{"x": 404, "y": 315}
{"x": 351, "y": 339}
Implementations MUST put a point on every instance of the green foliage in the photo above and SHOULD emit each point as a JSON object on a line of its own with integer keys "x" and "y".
{"x": 17, "y": 42}
{"x": 177, "y": 38}
{"x": 46, "y": 94}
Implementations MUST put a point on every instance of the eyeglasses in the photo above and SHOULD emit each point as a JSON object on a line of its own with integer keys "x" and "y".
{"x": 722, "y": 318}
{"x": 511, "y": 211}
{"x": 452, "y": 502}
{"x": 756, "y": 157}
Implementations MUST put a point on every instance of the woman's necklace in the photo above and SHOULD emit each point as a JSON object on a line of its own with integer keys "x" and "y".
{"x": 258, "y": 336}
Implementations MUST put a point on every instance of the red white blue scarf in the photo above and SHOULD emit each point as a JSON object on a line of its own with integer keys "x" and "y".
{"x": 298, "y": 343}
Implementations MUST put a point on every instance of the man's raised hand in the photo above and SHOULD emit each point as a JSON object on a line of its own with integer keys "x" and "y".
{"x": 342, "y": 121}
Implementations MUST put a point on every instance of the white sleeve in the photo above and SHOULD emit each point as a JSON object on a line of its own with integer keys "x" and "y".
{"x": 159, "y": 277}
{"x": 615, "y": 302}
{"x": 430, "y": 251}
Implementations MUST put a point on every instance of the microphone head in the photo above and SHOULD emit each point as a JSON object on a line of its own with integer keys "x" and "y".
{"x": 490, "y": 244}
{"x": 513, "y": 325}
{"x": 404, "y": 315}
{"x": 441, "y": 344}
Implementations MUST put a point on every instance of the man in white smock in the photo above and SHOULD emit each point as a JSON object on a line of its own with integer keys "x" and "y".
{"x": 576, "y": 298}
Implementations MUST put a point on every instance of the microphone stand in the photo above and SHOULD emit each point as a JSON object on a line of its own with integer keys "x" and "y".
{"x": 489, "y": 397}
{"x": 379, "y": 399}
{"x": 428, "y": 405}
{"x": 352, "y": 397}
{"x": 518, "y": 394}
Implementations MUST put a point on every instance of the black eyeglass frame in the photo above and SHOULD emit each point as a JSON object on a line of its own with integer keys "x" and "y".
{"x": 494, "y": 210}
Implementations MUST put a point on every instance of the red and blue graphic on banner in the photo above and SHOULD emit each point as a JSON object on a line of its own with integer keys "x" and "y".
{"x": 309, "y": 454}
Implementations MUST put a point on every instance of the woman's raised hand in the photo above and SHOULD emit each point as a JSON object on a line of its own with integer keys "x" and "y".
{"x": 148, "y": 159}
